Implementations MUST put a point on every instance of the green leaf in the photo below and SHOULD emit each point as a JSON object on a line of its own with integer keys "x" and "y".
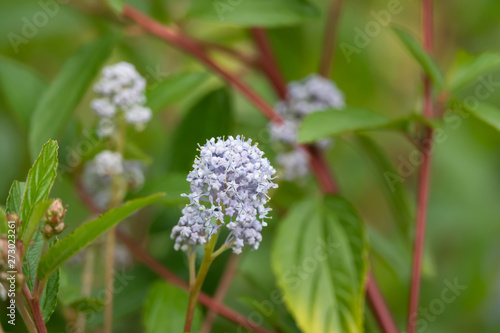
{"x": 65, "y": 92}
{"x": 320, "y": 261}
{"x": 116, "y": 5}
{"x": 247, "y": 13}
{"x": 15, "y": 197}
{"x": 392, "y": 185}
{"x": 31, "y": 259}
{"x": 39, "y": 182}
{"x": 34, "y": 222}
{"x": 48, "y": 301}
{"x": 4, "y": 226}
{"x": 87, "y": 305}
{"x": 320, "y": 125}
{"x": 165, "y": 309}
{"x": 86, "y": 234}
{"x": 487, "y": 113}
{"x": 210, "y": 117}
{"x": 422, "y": 57}
{"x": 20, "y": 88}
{"x": 173, "y": 184}
{"x": 174, "y": 88}
{"x": 470, "y": 70}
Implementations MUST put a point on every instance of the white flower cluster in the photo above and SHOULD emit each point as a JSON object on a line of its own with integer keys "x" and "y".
{"x": 312, "y": 94}
{"x": 230, "y": 178}
{"x": 98, "y": 174}
{"x": 121, "y": 90}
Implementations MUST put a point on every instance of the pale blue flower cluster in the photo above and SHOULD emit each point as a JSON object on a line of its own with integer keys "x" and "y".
{"x": 229, "y": 185}
{"x": 312, "y": 94}
{"x": 121, "y": 89}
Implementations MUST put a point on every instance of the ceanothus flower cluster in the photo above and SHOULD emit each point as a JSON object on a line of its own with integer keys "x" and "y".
{"x": 121, "y": 90}
{"x": 98, "y": 175}
{"x": 312, "y": 94}
{"x": 229, "y": 185}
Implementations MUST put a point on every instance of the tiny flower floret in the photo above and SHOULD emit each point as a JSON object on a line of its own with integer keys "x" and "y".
{"x": 229, "y": 185}
{"x": 108, "y": 163}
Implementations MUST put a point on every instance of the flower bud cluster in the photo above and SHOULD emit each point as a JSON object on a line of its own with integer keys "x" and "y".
{"x": 229, "y": 185}
{"x": 54, "y": 219}
{"x": 312, "y": 94}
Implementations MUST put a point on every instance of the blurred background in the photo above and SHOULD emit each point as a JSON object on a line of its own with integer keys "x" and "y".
{"x": 463, "y": 235}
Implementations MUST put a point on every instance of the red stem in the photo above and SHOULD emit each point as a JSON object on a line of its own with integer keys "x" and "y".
{"x": 424, "y": 177}
{"x": 189, "y": 46}
{"x": 36, "y": 312}
{"x": 378, "y": 306}
{"x": 269, "y": 63}
{"x": 329, "y": 38}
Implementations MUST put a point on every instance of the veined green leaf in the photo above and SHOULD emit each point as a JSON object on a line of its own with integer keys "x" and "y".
{"x": 264, "y": 13}
{"x": 48, "y": 301}
{"x": 20, "y": 88}
{"x": 422, "y": 57}
{"x": 65, "y": 92}
{"x": 166, "y": 299}
{"x": 39, "y": 182}
{"x": 472, "y": 69}
{"x": 329, "y": 123}
{"x": 320, "y": 261}
{"x": 15, "y": 198}
{"x": 487, "y": 113}
{"x": 210, "y": 117}
{"x": 174, "y": 88}
{"x": 86, "y": 234}
{"x": 34, "y": 222}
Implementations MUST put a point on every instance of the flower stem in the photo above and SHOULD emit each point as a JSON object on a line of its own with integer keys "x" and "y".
{"x": 195, "y": 289}
{"x": 424, "y": 177}
{"x": 34, "y": 306}
{"x": 87, "y": 277}
{"x": 192, "y": 269}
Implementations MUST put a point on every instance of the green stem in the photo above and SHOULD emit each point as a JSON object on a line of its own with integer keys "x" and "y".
{"x": 221, "y": 249}
{"x": 195, "y": 289}
{"x": 192, "y": 269}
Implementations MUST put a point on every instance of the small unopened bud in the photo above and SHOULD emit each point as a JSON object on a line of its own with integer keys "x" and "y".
{"x": 20, "y": 279}
{"x": 59, "y": 228}
{"x": 13, "y": 217}
{"x": 55, "y": 214}
{"x": 48, "y": 231}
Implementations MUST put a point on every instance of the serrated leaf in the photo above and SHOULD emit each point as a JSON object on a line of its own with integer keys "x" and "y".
{"x": 48, "y": 301}
{"x": 87, "y": 233}
{"x": 31, "y": 259}
{"x": 210, "y": 117}
{"x": 87, "y": 305}
{"x": 65, "y": 92}
{"x": 15, "y": 197}
{"x": 34, "y": 222}
{"x": 165, "y": 310}
{"x": 20, "y": 88}
{"x": 393, "y": 187}
{"x": 248, "y": 13}
{"x": 471, "y": 70}
{"x": 39, "y": 182}
{"x": 174, "y": 88}
{"x": 329, "y": 123}
{"x": 422, "y": 57}
{"x": 320, "y": 261}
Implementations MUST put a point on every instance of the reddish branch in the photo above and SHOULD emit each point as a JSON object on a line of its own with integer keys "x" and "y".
{"x": 318, "y": 163}
{"x": 329, "y": 38}
{"x": 269, "y": 63}
{"x": 36, "y": 312}
{"x": 166, "y": 274}
{"x": 424, "y": 177}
